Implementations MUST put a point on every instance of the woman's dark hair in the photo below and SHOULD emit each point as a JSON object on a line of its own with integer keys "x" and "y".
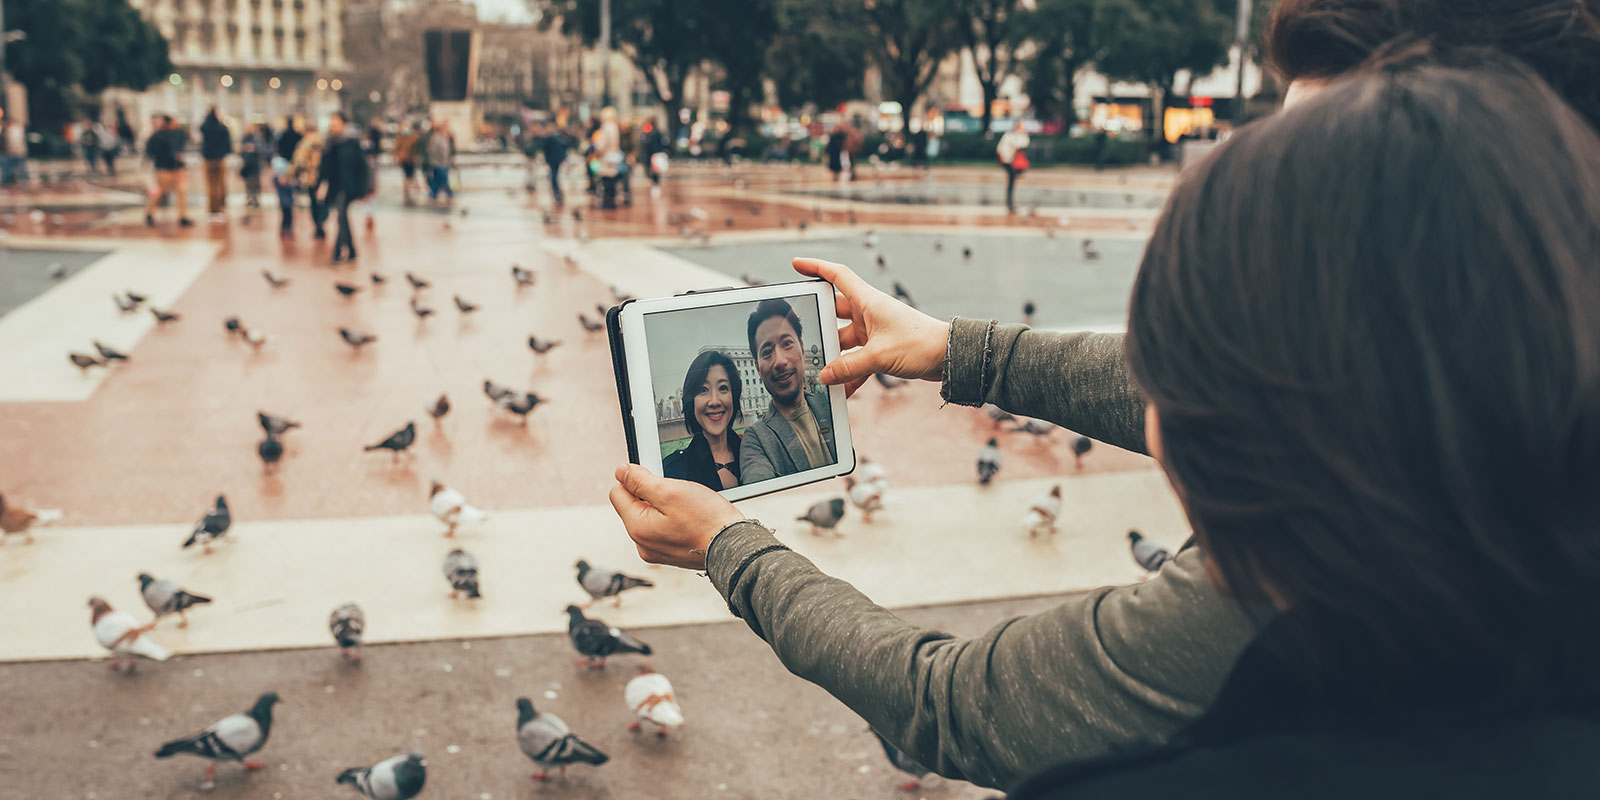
{"x": 1370, "y": 325}
{"x": 1559, "y": 39}
{"x": 699, "y": 368}
{"x": 771, "y": 307}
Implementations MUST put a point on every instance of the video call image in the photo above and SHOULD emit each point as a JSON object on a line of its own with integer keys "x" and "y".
{"x": 736, "y": 391}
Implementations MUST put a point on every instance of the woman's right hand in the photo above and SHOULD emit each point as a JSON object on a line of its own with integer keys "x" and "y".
{"x": 883, "y": 335}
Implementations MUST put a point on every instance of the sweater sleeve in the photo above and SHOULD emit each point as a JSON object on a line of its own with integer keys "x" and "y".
{"x": 1108, "y": 668}
{"x": 1079, "y": 381}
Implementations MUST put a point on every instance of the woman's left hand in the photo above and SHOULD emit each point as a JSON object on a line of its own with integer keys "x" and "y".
{"x": 672, "y": 521}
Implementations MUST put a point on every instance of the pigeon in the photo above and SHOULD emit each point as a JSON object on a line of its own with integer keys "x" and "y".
{"x": 422, "y": 311}
{"x": 125, "y": 303}
{"x": 870, "y": 471}
{"x": 597, "y": 641}
{"x": 1089, "y": 251}
{"x": 16, "y": 519}
{"x": 864, "y": 495}
{"x": 824, "y": 514}
{"x": 903, "y": 296}
{"x": 451, "y": 508}
{"x": 601, "y": 582}
{"x": 275, "y": 425}
{"x": 998, "y": 414}
{"x": 966, "y": 253}
{"x": 570, "y": 261}
{"x": 989, "y": 461}
{"x": 109, "y": 354}
{"x": 1034, "y": 427}
{"x": 868, "y": 239}
{"x": 802, "y": 226}
{"x": 346, "y": 624}
{"x": 83, "y": 362}
{"x": 542, "y": 347}
{"x": 600, "y": 310}
{"x": 232, "y": 738}
{"x": 889, "y": 382}
{"x": 938, "y": 245}
{"x": 523, "y": 277}
{"x": 164, "y": 597}
{"x": 464, "y": 306}
{"x": 461, "y": 570}
{"x": 346, "y": 289}
{"x": 649, "y": 696}
{"x": 577, "y": 215}
{"x": 883, "y": 263}
{"x": 397, "y": 442}
{"x": 118, "y": 632}
{"x": 57, "y": 271}
{"x": 547, "y": 740}
{"x": 1027, "y": 312}
{"x": 521, "y": 403}
{"x": 591, "y": 327}
{"x": 397, "y": 778}
{"x": 273, "y": 280}
{"x": 253, "y": 337}
{"x": 271, "y": 451}
{"x": 904, "y": 763}
{"x": 163, "y": 317}
{"x": 1042, "y": 515}
{"x": 232, "y": 325}
{"x": 728, "y": 223}
{"x": 211, "y": 527}
{"x": 416, "y": 282}
{"x": 356, "y": 339}
{"x": 377, "y": 280}
{"x": 1147, "y": 553}
{"x": 1081, "y": 447}
{"x": 439, "y": 408}
{"x": 499, "y": 394}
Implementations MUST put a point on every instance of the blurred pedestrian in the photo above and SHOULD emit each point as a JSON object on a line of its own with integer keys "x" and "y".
{"x": 836, "y": 152}
{"x": 372, "y": 148}
{"x": 216, "y": 142}
{"x": 283, "y": 176}
{"x": 106, "y": 145}
{"x": 608, "y": 149}
{"x": 854, "y": 143}
{"x": 125, "y": 130}
{"x": 89, "y": 146}
{"x": 407, "y": 151}
{"x": 254, "y": 150}
{"x": 165, "y": 149}
{"x": 304, "y": 169}
{"x": 342, "y": 178}
{"x": 13, "y": 151}
{"x": 441, "y": 157}
{"x": 653, "y": 154}
{"x": 1013, "y": 156}
{"x": 555, "y": 146}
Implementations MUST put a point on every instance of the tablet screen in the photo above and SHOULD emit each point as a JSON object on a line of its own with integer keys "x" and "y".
{"x": 737, "y": 400}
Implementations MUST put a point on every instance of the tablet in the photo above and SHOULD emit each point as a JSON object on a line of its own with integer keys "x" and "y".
{"x": 721, "y": 387}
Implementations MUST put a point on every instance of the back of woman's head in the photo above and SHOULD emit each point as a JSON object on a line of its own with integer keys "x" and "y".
{"x": 1370, "y": 326}
{"x": 1559, "y": 39}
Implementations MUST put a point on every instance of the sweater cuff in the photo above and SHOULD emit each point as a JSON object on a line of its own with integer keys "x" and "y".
{"x": 730, "y": 553}
{"x": 967, "y": 361}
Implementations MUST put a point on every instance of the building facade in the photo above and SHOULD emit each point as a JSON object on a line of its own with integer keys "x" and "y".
{"x": 254, "y": 60}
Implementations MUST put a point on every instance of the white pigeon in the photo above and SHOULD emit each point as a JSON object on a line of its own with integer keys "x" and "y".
{"x": 451, "y": 508}
{"x": 1041, "y": 517}
{"x": 864, "y": 495}
{"x": 123, "y": 635}
{"x": 649, "y": 696}
{"x": 16, "y": 519}
{"x": 872, "y": 472}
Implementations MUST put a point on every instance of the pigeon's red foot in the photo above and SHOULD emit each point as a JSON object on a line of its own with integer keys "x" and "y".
{"x": 662, "y": 734}
{"x": 253, "y": 765}
{"x": 183, "y": 623}
{"x": 541, "y": 776}
{"x": 910, "y": 786}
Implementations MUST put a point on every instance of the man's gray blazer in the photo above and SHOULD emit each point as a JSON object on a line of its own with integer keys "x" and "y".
{"x": 770, "y": 448}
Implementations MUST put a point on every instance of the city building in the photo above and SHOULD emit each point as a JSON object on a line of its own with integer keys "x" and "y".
{"x": 255, "y": 60}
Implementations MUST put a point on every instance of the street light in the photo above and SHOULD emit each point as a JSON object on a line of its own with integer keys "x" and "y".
{"x": 274, "y": 82}
{"x": 322, "y": 84}
{"x": 226, "y": 81}
{"x": 336, "y": 85}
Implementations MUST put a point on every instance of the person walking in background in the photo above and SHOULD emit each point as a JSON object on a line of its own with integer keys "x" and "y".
{"x": 555, "y": 146}
{"x": 836, "y": 154}
{"x": 608, "y": 150}
{"x": 165, "y": 149}
{"x": 283, "y": 177}
{"x": 854, "y": 143}
{"x": 125, "y": 130}
{"x": 89, "y": 146}
{"x": 253, "y": 152}
{"x": 342, "y": 178}
{"x": 106, "y": 145}
{"x": 406, "y": 147}
{"x": 441, "y": 157}
{"x": 304, "y": 169}
{"x": 216, "y": 142}
{"x": 372, "y": 149}
{"x": 1011, "y": 151}
{"x": 13, "y": 151}
{"x": 651, "y": 145}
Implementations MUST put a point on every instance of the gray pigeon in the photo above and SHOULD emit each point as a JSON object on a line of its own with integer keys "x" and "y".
{"x": 904, "y": 763}
{"x": 164, "y": 596}
{"x": 398, "y": 778}
{"x": 989, "y": 461}
{"x": 1147, "y": 553}
{"x": 596, "y": 641}
{"x": 213, "y": 526}
{"x": 1034, "y": 427}
{"x": 547, "y": 740}
{"x": 601, "y": 582}
{"x": 824, "y": 514}
{"x": 275, "y": 425}
{"x": 346, "y": 623}
{"x": 398, "y": 442}
{"x": 271, "y": 451}
{"x": 232, "y": 738}
{"x": 998, "y": 414}
{"x": 461, "y": 570}
{"x": 1080, "y": 448}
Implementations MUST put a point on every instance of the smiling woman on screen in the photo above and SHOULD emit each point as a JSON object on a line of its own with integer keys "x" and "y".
{"x": 711, "y": 391}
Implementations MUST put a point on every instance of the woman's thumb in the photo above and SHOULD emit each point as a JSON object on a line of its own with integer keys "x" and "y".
{"x": 849, "y": 366}
{"x": 639, "y": 482}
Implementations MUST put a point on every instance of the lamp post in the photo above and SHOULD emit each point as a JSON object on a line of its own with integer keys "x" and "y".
{"x": 605, "y": 53}
{"x": 1242, "y": 37}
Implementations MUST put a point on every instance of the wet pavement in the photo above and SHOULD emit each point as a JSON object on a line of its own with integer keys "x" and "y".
{"x": 26, "y": 273}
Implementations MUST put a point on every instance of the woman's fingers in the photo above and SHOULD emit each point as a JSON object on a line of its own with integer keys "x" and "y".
{"x": 849, "y": 367}
{"x": 851, "y": 336}
{"x": 842, "y": 277}
{"x": 842, "y": 307}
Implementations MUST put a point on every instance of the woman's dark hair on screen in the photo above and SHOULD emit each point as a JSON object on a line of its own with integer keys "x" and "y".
{"x": 1559, "y": 39}
{"x": 696, "y": 377}
{"x": 1370, "y": 325}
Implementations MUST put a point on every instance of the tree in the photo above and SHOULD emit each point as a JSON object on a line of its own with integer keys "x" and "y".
{"x": 738, "y": 35}
{"x": 664, "y": 39}
{"x": 1149, "y": 41}
{"x": 80, "y": 45}
{"x": 908, "y": 39}
{"x": 991, "y": 31}
{"x": 818, "y": 56}
{"x": 1064, "y": 42}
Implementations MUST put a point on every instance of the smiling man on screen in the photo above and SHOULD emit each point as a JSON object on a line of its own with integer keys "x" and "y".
{"x": 795, "y": 433}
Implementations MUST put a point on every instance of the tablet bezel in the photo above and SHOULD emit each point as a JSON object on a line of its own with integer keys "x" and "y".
{"x": 642, "y": 401}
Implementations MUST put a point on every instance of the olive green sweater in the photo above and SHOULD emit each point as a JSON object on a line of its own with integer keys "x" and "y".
{"x": 1112, "y": 667}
